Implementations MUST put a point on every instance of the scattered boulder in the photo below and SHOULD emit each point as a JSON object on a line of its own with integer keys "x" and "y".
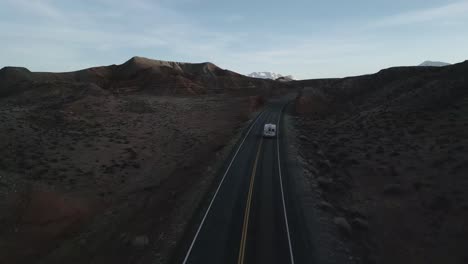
{"x": 343, "y": 225}
{"x": 314, "y": 143}
{"x": 393, "y": 189}
{"x": 324, "y": 182}
{"x": 360, "y": 223}
{"x": 125, "y": 238}
{"x": 83, "y": 242}
{"x": 140, "y": 241}
{"x": 440, "y": 203}
{"x": 351, "y": 162}
{"x": 380, "y": 150}
{"x": 355, "y": 213}
{"x": 312, "y": 169}
{"x": 325, "y": 206}
{"x": 320, "y": 153}
{"x": 324, "y": 164}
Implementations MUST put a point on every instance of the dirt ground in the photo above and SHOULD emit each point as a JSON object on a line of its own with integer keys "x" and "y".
{"x": 87, "y": 176}
{"x": 392, "y": 162}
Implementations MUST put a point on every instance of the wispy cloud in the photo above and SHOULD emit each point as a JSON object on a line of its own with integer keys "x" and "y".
{"x": 440, "y": 13}
{"x": 39, "y": 8}
{"x": 233, "y": 18}
{"x": 69, "y": 35}
{"x": 140, "y": 25}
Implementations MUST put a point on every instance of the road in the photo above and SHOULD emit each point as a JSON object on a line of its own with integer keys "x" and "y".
{"x": 246, "y": 220}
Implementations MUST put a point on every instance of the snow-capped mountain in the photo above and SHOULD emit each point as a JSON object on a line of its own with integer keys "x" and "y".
{"x": 434, "y": 63}
{"x": 285, "y": 79}
{"x": 268, "y": 75}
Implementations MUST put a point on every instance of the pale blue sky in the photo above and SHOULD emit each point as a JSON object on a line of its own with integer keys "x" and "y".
{"x": 306, "y": 38}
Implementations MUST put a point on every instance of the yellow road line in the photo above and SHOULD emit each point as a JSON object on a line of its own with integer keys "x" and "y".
{"x": 247, "y": 208}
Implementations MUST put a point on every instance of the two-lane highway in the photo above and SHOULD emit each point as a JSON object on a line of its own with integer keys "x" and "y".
{"x": 246, "y": 220}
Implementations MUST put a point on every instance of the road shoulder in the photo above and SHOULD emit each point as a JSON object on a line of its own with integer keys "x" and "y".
{"x": 311, "y": 226}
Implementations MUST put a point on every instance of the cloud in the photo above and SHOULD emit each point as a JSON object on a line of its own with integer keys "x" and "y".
{"x": 44, "y": 9}
{"x": 146, "y": 28}
{"x": 77, "y": 34}
{"x": 234, "y": 18}
{"x": 117, "y": 23}
{"x": 440, "y": 13}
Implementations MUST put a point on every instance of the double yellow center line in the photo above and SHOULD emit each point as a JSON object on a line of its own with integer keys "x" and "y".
{"x": 247, "y": 208}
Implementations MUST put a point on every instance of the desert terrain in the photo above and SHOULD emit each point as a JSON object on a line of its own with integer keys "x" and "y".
{"x": 388, "y": 154}
{"x": 108, "y": 164}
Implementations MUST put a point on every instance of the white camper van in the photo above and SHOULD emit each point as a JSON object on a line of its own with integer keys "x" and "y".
{"x": 269, "y": 130}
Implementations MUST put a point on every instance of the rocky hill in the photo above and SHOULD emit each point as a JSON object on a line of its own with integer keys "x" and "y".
{"x": 388, "y": 152}
{"x": 108, "y": 164}
{"x": 143, "y": 75}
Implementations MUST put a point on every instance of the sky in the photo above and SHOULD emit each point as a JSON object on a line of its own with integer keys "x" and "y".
{"x": 303, "y": 38}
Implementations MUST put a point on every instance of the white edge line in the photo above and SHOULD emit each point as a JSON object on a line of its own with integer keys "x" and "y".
{"x": 219, "y": 186}
{"x": 281, "y": 186}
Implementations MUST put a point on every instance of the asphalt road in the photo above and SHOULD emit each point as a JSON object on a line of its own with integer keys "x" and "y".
{"x": 246, "y": 220}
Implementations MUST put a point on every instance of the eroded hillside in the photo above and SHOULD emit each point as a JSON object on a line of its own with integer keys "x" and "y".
{"x": 108, "y": 164}
{"x": 388, "y": 152}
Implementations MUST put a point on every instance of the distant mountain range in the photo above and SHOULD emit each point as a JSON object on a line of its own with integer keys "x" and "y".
{"x": 136, "y": 75}
{"x": 268, "y": 75}
{"x": 434, "y": 64}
